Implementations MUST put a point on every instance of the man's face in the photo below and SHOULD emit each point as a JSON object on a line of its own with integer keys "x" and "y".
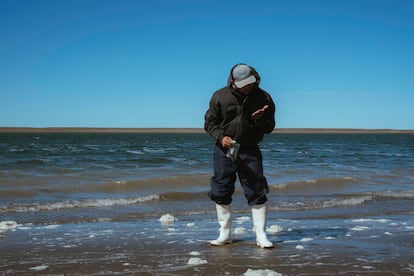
{"x": 246, "y": 89}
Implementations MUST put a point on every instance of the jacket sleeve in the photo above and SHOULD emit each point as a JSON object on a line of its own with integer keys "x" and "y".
{"x": 213, "y": 118}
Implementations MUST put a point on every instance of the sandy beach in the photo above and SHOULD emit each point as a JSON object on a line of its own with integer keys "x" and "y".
{"x": 149, "y": 247}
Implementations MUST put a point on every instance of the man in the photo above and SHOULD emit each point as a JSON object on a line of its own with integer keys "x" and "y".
{"x": 240, "y": 114}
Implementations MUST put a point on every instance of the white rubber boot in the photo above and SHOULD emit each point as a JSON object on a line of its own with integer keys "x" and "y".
{"x": 224, "y": 219}
{"x": 259, "y": 226}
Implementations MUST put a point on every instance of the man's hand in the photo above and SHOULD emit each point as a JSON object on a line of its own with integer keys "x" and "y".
{"x": 227, "y": 142}
{"x": 259, "y": 113}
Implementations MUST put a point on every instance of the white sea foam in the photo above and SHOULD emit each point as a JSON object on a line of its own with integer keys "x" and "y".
{"x": 135, "y": 152}
{"x": 120, "y": 182}
{"x": 371, "y": 220}
{"x": 261, "y": 272}
{"x": 306, "y": 239}
{"x": 396, "y": 194}
{"x": 85, "y": 203}
{"x": 290, "y": 241}
{"x": 347, "y": 202}
{"x": 167, "y": 219}
{"x": 196, "y": 261}
{"x": 7, "y": 225}
{"x": 54, "y": 226}
{"x": 39, "y": 268}
{"x": 24, "y": 228}
{"x": 359, "y": 228}
{"x": 152, "y": 150}
{"x": 239, "y": 230}
{"x": 194, "y": 253}
{"x": 274, "y": 229}
{"x": 299, "y": 247}
{"x": 241, "y": 220}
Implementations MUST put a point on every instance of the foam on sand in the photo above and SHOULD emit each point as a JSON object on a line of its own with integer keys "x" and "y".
{"x": 39, "y": 268}
{"x": 195, "y": 253}
{"x": 261, "y": 272}
{"x": 196, "y": 261}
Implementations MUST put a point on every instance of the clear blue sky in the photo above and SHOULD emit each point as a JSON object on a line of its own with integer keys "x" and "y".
{"x": 103, "y": 63}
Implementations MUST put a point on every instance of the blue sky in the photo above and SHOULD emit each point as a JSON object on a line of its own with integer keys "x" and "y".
{"x": 102, "y": 63}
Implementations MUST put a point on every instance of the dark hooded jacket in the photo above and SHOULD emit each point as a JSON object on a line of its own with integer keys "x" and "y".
{"x": 229, "y": 114}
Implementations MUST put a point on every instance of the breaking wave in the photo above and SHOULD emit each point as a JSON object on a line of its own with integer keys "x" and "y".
{"x": 188, "y": 197}
{"x": 74, "y": 204}
{"x": 344, "y": 200}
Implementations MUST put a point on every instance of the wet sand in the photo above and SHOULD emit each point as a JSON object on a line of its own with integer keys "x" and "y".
{"x": 148, "y": 247}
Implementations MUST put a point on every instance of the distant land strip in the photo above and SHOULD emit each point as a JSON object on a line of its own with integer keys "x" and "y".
{"x": 192, "y": 130}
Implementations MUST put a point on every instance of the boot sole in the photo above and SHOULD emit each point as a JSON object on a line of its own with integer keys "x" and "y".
{"x": 265, "y": 247}
{"x": 218, "y": 244}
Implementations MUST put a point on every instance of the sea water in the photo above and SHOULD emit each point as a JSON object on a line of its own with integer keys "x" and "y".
{"x": 78, "y": 177}
{"x": 133, "y": 203}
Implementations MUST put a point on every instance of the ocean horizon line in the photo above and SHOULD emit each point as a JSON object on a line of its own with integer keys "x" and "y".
{"x": 191, "y": 130}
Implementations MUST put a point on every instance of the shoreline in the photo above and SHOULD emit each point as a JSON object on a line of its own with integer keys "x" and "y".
{"x": 196, "y": 130}
{"x": 181, "y": 247}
